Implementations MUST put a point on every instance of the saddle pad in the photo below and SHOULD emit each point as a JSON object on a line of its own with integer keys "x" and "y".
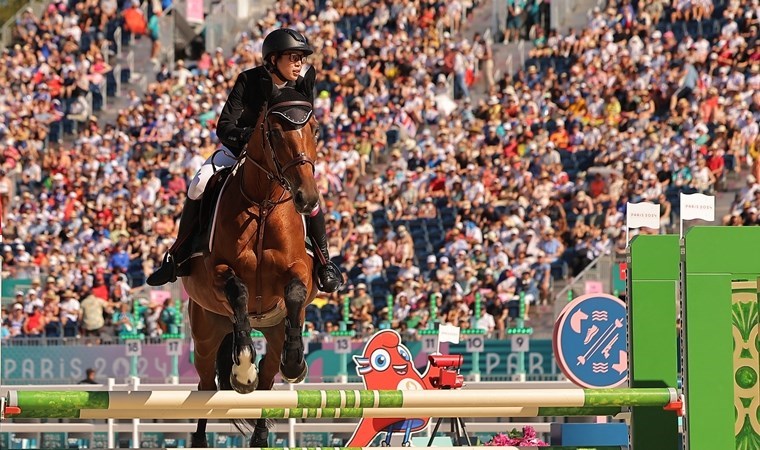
{"x": 212, "y": 228}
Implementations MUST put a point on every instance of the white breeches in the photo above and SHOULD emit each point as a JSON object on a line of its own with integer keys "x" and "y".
{"x": 218, "y": 160}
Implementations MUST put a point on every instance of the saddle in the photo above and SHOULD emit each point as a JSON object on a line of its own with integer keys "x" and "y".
{"x": 206, "y": 217}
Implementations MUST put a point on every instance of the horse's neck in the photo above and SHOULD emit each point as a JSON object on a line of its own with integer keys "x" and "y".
{"x": 255, "y": 183}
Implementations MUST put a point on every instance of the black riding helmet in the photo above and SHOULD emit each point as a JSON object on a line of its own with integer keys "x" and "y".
{"x": 283, "y": 40}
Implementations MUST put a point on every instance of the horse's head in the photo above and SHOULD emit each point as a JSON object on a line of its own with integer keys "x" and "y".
{"x": 290, "y": 136}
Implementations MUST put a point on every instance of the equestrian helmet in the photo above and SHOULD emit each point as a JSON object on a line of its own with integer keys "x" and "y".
{"x": 283, "y": 40}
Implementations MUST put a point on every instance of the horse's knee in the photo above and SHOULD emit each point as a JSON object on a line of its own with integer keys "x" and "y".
{"x": 295, "y": 294}
{"x": 234, "y": 287}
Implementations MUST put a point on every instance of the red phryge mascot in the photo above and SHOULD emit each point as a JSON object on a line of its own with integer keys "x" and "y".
{"x": 386, "y": 364}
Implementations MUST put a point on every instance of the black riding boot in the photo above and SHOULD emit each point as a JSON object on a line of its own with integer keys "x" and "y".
{"x": 181, "y": 250}
{"x": 328, "y": 274}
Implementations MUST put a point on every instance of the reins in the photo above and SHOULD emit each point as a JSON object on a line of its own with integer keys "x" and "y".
{"x": 268, "y": 205}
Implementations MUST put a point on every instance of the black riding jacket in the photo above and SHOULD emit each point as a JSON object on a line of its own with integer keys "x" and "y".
{"x": 242, "y": 109}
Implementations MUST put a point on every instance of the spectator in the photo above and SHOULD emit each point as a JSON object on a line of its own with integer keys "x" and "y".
{"x": 90, "y": 377}
{"x": 620, "y": 110}
{"x": 93, "y": 310}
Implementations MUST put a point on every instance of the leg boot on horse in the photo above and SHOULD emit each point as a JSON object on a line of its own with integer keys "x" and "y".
{"x": 198, "y": 438}
{"x": 328, "y": 274}
{"x": 293, "y": 366}
{"x": 260, "y": 436}
{"x": 172, "y": 266}
{"x": 245, "y": 375}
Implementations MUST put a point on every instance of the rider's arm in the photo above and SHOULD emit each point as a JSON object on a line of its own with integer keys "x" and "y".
{"x": 232, "y": 135}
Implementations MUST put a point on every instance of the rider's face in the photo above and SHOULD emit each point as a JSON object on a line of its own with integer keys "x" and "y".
{"x": 290, "y": 64}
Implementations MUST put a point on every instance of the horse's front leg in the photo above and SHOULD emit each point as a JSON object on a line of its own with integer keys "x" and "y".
{"x": 293, "y": 366}
{"x": 245, "y": 375}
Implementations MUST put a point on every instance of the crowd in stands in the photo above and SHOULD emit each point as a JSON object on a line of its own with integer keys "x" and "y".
{"x": 441, "y": 182}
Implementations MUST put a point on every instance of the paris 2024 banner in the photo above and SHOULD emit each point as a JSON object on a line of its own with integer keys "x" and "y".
{"x": 53, "y": 364}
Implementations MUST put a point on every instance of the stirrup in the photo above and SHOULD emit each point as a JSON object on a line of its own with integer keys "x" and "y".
{"x": 165, "y": 274}
{"x": 330, "y": 270}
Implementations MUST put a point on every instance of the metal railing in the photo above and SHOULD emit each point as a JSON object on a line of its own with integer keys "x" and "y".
{"x": 117, "y": 37}
{"x": 221, "y": 26}
{"x": 9, "y": 26}
{"x": 599, "y": 269}
{"x": 166, "y": 36}
{"x": 117, "y": 79}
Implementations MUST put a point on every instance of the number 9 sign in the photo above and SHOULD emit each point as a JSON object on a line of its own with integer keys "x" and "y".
{"x": 520, "y": 343}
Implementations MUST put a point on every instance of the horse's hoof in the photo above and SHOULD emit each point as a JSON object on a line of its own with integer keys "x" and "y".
{"x": 304, "y": 371}
{"x": 198, "y": 440}
{"x": 246, "y": 387}
{"x": 244, "y": 377}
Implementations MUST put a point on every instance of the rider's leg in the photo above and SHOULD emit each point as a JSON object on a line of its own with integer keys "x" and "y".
{"x": 183, "y": 246}
{"x": 330, "y": 278}
{"x": 181, "y": 249}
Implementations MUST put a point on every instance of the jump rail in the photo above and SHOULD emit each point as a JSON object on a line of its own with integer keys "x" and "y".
{"x": 330, "y": 403}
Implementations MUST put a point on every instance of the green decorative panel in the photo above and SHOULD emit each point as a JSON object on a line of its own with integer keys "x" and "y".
{"x": 722, "y": 267}
{"x": 746, "y": 364}
{"x": 654, "y": 276}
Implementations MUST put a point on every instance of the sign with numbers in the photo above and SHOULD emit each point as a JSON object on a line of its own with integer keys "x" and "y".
{"x": 260, "y": 346}
{"x": 475, "y": 343}
{"x": 174, "y": 347}
{"x": 134, "y": 348}
{"x": 430, "y": 343}
{"x": 343, "y": 345}
{"x": 520, "y": 343}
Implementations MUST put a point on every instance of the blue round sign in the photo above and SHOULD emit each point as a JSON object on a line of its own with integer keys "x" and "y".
{"x": 590, "y": 341}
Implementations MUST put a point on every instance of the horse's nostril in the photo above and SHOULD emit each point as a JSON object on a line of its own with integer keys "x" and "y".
{"x": 299, "y": 198}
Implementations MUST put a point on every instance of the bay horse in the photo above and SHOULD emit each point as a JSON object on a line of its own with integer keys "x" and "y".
{"x": 257, "y": 274}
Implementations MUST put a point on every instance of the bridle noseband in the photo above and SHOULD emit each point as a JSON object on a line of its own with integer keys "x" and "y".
{"x": 282, "y": 110}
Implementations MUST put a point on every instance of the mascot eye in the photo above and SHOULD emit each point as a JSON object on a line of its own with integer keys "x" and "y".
{"x": 380, "y": 359}
{"x": 404, "y": 353}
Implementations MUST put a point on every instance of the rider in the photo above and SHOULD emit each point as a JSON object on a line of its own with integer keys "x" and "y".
{"x": 284, "y": 51}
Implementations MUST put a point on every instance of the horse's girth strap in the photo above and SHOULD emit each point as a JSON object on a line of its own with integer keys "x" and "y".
{"x": 270, "y": 317}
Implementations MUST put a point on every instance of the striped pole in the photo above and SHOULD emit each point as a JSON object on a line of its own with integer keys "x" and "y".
{"x": 58, "y": 402}
{"x": 310, "y": 413}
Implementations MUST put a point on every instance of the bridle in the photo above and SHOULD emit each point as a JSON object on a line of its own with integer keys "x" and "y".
{"x": 283, "y": 110}
{"x": 297, "y": 113}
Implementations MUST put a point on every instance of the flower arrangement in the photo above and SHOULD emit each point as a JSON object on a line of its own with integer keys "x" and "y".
{"x": 526, "y": 437}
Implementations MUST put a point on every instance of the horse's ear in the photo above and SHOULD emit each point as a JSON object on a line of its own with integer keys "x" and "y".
{"x": 271, "y": 91}
{"x": 306, "y": 84}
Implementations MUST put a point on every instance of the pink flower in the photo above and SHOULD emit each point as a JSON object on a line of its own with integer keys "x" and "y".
{"x": 528, "y": 437}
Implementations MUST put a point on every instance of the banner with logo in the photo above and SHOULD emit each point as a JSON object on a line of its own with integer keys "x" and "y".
{"x": 53, "y": 364}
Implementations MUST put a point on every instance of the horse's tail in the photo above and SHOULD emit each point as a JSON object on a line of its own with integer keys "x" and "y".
{"x": 223, "y": 372}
